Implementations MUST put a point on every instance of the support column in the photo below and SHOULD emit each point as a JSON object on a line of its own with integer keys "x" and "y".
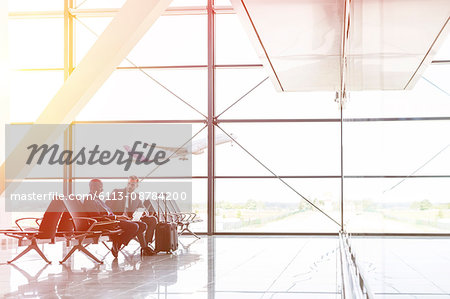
{"x": 211, "y": 117}
{"x": 342, "y": 94}
{"x": 68, "y": 68}
{"x": 342, "y": 164}
{"x": 68, "y": 39}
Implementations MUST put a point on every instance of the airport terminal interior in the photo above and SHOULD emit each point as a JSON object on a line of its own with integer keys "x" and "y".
{"x": 315, "y": 154}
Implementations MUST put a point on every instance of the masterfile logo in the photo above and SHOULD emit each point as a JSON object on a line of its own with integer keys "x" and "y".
{"x": 95, "y": 155}
{"x": 65, "y": 162}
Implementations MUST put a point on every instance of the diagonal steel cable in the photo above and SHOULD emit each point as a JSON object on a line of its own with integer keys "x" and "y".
{"x": 283, "y": 181}
{"x": 79, "y": 5}
{"x": 145, "y": 73}
{"x": 433, "y": 157}
{"x": 174, "y": 152}
{"x": 415, "y": 171}
{"x": 435, "y": 85}
{"x": 247, "y": 93}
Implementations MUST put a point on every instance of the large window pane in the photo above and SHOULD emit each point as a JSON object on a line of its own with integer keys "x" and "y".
{"x": 429, "y": 98}
{"x": 36, "y": 43}
{"x": 397, "y": 148}
{"x": 285, "y": 148}
{"x": 173, "y": 40}
{"x": 267, "y": 205}
{"x": 411, "y": 205}
{"x": 131, "y": 95}
{"x": 33, "y": 5}
{"x": 232, "y": 43}
{"x": 30, "y": 93}
{"x": 265, "y": 101}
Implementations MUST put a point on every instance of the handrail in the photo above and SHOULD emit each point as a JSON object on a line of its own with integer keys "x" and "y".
{"x": 354, "y": 280}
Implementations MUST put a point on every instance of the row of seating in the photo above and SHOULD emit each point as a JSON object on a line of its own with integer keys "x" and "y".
{"x": 68, "y": 221}
{"x": 182, "y": 219}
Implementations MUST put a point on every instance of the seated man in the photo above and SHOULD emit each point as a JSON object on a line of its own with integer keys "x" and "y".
{"x": 131, "y": 228}
{"x": 126, "y": 204}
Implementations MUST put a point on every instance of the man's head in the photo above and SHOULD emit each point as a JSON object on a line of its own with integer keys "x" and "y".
{"x": 133, "y": 183}
{"x": 96, "y": 186}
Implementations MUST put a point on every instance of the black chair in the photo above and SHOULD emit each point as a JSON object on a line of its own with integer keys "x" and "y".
{"x": 160, "y": 209}
{"x": 86, "y": 230}
{"x": 187, "y": 218}
{"x": 176, "y": 217}
{"x": 44, "y": 234}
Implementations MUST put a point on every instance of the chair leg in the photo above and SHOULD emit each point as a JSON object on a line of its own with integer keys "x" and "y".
{"x": 83, "y": 250}
{"x": 29, "y": 248}
{"x": 104, "y": 243}
{"x": 186, "y": 229}
{"x": 32, "y": 246}
{"x": 72, "y": 250}
{"x": 181, "y": 233}
{"x": 35, "y": 247}
{"x": 181, "y": 229}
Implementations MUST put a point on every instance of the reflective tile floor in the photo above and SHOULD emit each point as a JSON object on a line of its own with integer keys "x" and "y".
{"x": 213, "y": 267}
{"x": 235, "y": 267}
{"x": 406, "y": 267}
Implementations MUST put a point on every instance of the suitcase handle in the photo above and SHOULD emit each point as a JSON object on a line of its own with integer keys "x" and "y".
{"x": 165, "y": 207}
{"x": 157, "y": 202}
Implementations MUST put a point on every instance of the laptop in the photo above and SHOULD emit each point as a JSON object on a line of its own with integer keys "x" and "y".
{"x": 138, "y": 214}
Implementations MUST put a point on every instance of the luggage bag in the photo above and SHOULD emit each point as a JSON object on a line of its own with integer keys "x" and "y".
{"x": 166, "y": 234}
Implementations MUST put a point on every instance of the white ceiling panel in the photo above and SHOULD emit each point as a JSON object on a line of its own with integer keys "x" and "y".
{"x": 299, "y": 41}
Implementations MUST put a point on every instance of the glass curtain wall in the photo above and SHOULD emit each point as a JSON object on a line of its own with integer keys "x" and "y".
{"x": 282, "y": 171}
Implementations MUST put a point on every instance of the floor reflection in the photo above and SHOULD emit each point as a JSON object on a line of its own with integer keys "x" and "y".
{"x": 405, "y": 267}
{"x": 212, "y": 267}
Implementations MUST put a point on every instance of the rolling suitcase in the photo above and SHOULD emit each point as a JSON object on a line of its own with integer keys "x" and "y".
{"x": 166, "y": 235}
